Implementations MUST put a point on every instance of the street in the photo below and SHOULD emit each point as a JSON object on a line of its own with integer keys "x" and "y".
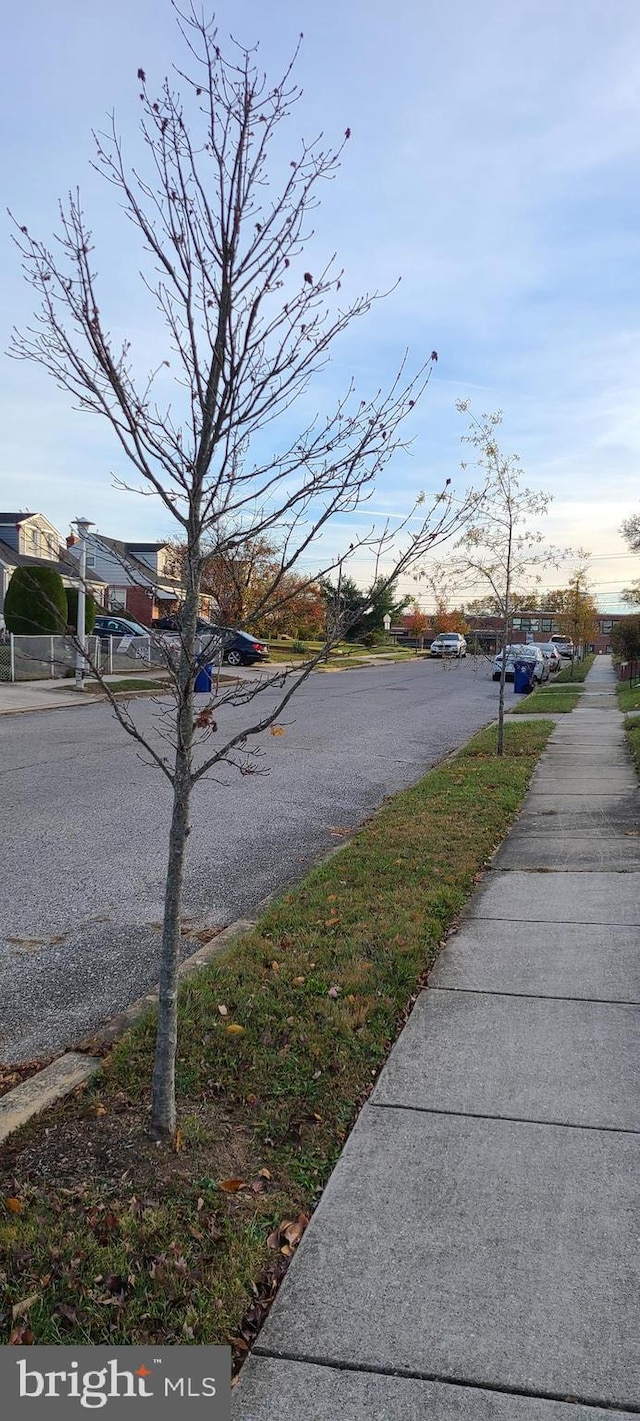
{"x": 85, "y": 826}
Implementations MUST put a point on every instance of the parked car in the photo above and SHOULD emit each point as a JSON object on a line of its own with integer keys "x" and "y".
{"x": 449, "y": 644}
{"x": 530, "y": 652}
{"x": 118, "y": 626}
{"x": 564, "y": 645}
{"x": 240, "y": 648}
{"x": 551, "y": 654}
{"x": 173, "y": 624}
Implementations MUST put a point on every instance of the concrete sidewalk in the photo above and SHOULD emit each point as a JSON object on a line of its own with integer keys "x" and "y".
{"x": 476, "y": 1253}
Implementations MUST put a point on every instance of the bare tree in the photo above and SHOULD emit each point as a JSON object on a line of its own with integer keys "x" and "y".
{"x": 500, "y": 548}
{"x": 246, "y": 326}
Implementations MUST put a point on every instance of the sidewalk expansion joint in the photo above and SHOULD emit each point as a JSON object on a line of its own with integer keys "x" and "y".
{"x": 470, "y": 1383}
{"x": 509, "y": 1119}
{"x": 546, "y": 922}
{"x": 534, "y": 996}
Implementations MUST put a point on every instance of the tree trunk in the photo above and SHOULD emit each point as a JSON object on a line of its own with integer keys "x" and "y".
{"x": 163, "y": 1090}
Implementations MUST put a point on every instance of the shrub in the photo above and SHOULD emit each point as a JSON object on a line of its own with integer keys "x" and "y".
{"x": 90, "y": 610}
{"x": 36, "y": 602}
{"x": 625, "y": 639}
{"x": 300, "y": 647}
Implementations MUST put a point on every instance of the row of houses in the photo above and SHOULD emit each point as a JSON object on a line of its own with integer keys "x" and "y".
{"x": 139, "y": 579}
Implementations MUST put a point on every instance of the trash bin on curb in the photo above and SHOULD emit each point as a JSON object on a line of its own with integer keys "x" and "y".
{"x": 204, "y": 678}
{"x": 523, "y": 677}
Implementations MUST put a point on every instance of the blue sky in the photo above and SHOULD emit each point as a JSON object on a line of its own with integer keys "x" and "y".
{"x": 494, "y": 165}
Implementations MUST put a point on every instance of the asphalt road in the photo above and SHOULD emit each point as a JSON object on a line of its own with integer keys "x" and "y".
{"x": 84, "y": 830}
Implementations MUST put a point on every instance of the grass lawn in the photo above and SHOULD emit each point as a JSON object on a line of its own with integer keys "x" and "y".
{"x": 130, "y": 683}
{"x": 580, "y": 670}
{"x": 632, "y": 728}
{"x": 549, "y": 700}
{"x": 628, "y": 696}
{"x": 107, "y": 1237}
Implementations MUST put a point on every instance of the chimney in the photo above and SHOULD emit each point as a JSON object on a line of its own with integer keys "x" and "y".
{"x": 73, "y": 538}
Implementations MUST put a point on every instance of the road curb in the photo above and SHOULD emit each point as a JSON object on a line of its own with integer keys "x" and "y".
{"x": 74, "y": 1068}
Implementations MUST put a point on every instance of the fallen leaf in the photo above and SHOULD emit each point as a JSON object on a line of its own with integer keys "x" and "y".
{"x": 293, "y": 1231}
{"x": 265, "y": 1173}
{"x": 15, "y": 1206}
{"x": 224, "y": 1011}
{"x": 276, "y": 729}
{"x": 331, "y": 922}
{"x": 200, "y": 1205}
{"x": 232, "y": 1186}
{"x": 21, "y": 1337}
{"x": 298, "y": 981}
{"x": 234, "y": 1029}
{"x": 68, "y": 1313}
{"x": 100, "y": 1109}
{"x": 331, "y": 897}
{"x": 275, "y": 966}
{"x": 333, "y": 992}
{"x": 239, "y": 1344}
{"x": 19, "y": 1309}
{"x": 273, "y": 1240}
{"x": 178, "y": 1141}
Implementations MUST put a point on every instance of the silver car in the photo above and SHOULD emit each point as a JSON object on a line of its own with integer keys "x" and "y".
{"x": 531, "y": 653}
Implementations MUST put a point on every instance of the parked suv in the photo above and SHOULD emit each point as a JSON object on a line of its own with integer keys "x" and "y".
{"x": 449, "y": 644}
{"x": 564, "y": 644}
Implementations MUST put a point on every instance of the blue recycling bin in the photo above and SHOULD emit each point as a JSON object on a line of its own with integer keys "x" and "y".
{"x": 523, "y": 677}
{"x": 204, "y": 679}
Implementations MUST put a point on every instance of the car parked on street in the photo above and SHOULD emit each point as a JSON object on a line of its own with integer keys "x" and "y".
{"x": 530, "y": 653}
{"x": 240, "y": 648}
{"x": 564, "y": 644}
{"x": 449, "y": 644}
{"x": 551, "y": 654}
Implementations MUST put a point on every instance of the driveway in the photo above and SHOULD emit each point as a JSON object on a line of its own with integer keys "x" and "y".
{"x": 85, "y": 822}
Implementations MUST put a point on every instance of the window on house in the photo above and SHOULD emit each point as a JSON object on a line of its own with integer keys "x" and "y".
{"x": 546, "y": 624}
{"x": 606, "y": 626}
{"x": 91, "y": 559}
{"x": 517, "y": 623}
{"x": 117, "y": 601}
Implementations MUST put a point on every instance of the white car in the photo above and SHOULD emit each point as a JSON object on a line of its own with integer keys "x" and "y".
{"x": 449, "y": 644}
{"x": 531, "y": 653}
{"x": 564, "y": 645}
{"x": 551, "y": 653}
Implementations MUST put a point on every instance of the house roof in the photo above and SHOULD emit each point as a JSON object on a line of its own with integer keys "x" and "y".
{"x": 126, "y": 555}
{"x": 66, "y": 566}
{"x": 146, "y": 547}
{"x": 14, "y": 518}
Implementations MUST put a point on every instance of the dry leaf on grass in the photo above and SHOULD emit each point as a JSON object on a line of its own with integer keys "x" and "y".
{"x": 232, "y": 1186}
{"x": 19, "y": 1309}
{"x": 234, "y": 1030}
{"x": 224, "y": 1011}
{"x": 15, "y": 1206}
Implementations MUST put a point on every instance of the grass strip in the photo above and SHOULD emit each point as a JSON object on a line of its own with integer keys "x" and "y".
{"x": 628, "y": 696}
{"x": 549, "y": 701}
{"x": 109, "y": 1238}
{"x": 580, "y": 670}
{"x": 129, "y": 684}
{"x": 632, "y": 728}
